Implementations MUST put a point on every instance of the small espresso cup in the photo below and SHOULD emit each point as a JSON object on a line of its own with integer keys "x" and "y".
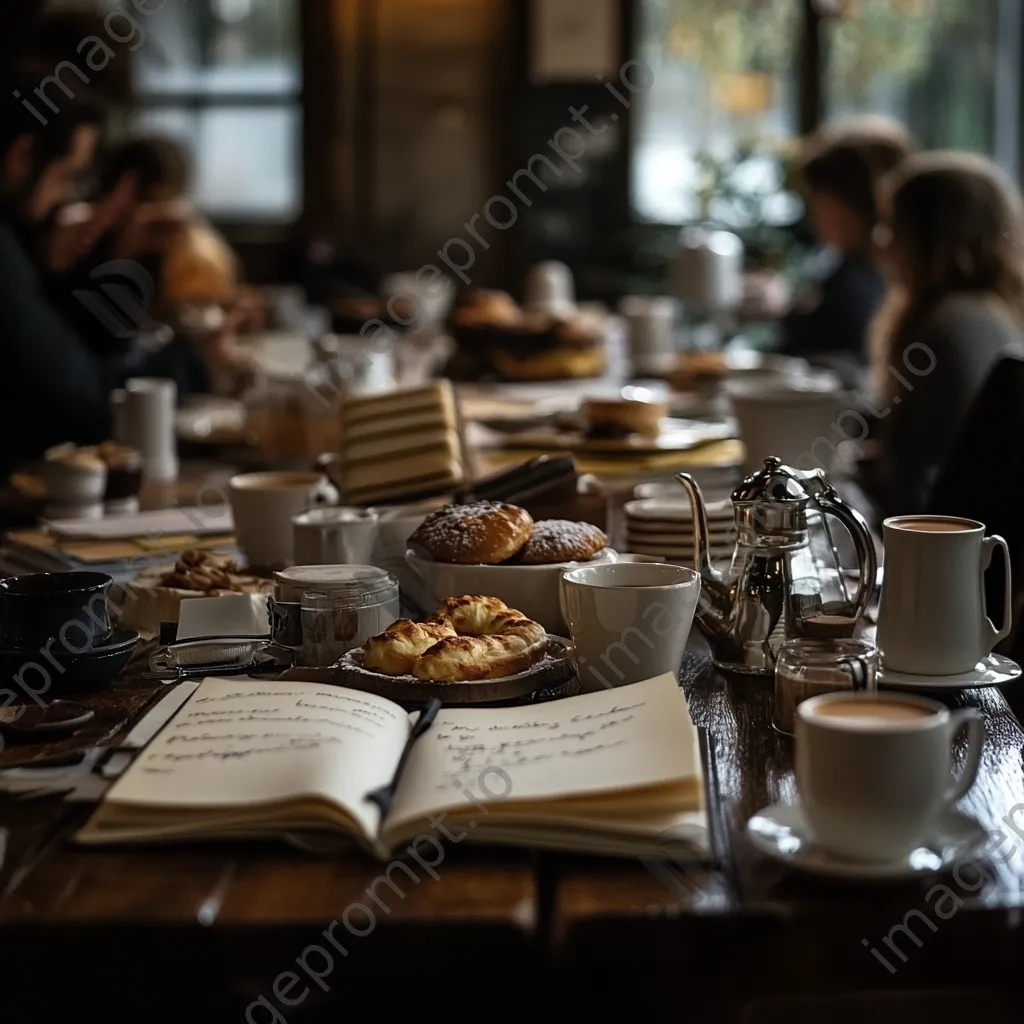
{"x": 629, "y": 621}
{"x": 263, "y": 506}
{"x": 932, "y": 618}
{"x": 67, "y": 610}
{"x": 874, "y": 771}
{"x": 335, "y": 536}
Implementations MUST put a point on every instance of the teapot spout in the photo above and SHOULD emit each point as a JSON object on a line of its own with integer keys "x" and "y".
{"x": 714, "y": 597}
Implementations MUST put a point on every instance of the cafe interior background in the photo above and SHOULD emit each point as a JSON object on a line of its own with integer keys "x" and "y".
{"x": 591, "y": 260}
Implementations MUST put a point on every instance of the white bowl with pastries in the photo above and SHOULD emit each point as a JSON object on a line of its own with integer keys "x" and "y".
{"x": 496, "y": 549}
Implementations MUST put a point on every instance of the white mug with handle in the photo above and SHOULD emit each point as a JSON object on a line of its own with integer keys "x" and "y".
{"x": 263, "y": 506}
{"x": 932, "y": 618}
{"x": 874, "y": 770}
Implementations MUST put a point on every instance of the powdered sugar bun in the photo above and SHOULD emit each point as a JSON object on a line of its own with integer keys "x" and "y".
{"x": 561, "y": 540}
{"x": 481, "y": 533}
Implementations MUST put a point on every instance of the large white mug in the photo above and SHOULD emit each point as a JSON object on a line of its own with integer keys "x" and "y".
{"x": 874, "y": 770}
{"x": 335, "y": 536}
{"x": 263, "y": 506}
{"x": 932, "y": 618}
{"x": 629, "y": 621}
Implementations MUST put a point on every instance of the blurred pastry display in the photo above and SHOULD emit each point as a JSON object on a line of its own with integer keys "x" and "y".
{"x": 624, "y": 416}
{"x": 400, "y": 446}
{"x": 696, "y": 370}
{"x": 351, "y": 315}
{"x": 495, "y": 336}
{"x": 155, "y": 596}
{"x": 496, "y": 533}
{"x": 87, "y": 482}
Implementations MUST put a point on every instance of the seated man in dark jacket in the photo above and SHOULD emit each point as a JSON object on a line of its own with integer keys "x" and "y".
{"x": 56, "y": 387}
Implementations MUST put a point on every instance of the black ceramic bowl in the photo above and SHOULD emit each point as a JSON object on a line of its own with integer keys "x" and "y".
{"x": 67, "y": 610}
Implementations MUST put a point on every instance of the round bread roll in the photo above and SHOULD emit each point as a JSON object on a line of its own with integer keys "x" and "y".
{"x": 395, "y": 651}
{"x": 481, "y": 533}
{"x": 560, "y": 540}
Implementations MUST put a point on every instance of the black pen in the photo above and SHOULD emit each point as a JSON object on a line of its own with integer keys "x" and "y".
{"x": 382, "y": 797}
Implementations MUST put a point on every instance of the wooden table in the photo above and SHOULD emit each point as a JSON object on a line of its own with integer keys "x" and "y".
{"x": 511, "y": 932}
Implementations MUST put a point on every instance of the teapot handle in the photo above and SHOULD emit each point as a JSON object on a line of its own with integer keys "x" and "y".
{"x": 830, "y": 503}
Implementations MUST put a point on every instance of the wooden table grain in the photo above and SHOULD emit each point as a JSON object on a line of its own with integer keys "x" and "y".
{"x": 572, "y": 933}
{"x": 758, "y": 932}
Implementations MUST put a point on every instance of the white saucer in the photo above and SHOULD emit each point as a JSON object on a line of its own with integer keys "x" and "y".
{"x": 782, "y": 832}
{"x": 992, "y": 671}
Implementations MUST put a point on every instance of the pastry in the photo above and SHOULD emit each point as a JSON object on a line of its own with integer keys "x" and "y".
{"x": 621, "y": 417}
{"x": 155, "y": 596}
{"x": 559, "y": 540}
{"x": 467, "y": 638}
{"x": 464, "y": 658}
{"x": 487, "y": 616}
{"x": 482, "y": 533}
{"x": 396, "y": 650}
{"x": 400, "y": 445}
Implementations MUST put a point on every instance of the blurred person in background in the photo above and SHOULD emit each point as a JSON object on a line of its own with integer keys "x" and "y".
{"x": 56, "y": 386}
{"x": 956, "y": 307}
{"x": 141, "y": 212}
{"x": 844, "y": 285}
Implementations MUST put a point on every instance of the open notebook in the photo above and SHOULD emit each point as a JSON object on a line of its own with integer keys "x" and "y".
{"x": 617, "y": 772}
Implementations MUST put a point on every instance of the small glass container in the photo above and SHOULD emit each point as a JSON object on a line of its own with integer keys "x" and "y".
{"x": 807, "y": 668}
{"x": 343, "y": 616}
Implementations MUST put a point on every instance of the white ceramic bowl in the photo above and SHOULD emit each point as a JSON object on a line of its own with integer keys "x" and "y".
{"x": 532, "y": 589}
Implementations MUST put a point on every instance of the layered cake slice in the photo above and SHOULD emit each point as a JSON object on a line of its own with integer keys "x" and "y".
{"x": 401, "y": 445}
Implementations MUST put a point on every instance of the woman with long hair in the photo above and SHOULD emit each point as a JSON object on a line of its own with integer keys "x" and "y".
{"x": 952, "y": 241}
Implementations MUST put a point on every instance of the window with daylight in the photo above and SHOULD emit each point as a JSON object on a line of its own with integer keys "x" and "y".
{"x": 225, "y": 77}
{"x": 730, "y": 93}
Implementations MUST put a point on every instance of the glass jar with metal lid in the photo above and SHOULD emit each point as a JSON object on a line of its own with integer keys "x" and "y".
{"x": 339, "y": 607}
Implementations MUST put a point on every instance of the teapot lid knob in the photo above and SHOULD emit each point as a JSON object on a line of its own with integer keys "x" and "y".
{"x": 775, "y": 482}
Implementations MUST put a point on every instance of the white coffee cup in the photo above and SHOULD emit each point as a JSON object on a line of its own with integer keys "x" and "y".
{"x": 550, "y": 289}
{"x": 629, "y": 621}
{"x": 652, "y": 323}
{"x": 263, "y": 506}
{"x": 874, "y": 770}
{"x": 932, "y": 618}
{"x": 335, "y": 536}
{"x": 144, "y": 418}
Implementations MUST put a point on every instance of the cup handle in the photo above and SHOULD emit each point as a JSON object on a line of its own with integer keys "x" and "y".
{"x": 326, "y": 494}
{"x": 988, "y": 548}
{"x": 970, "y": 720}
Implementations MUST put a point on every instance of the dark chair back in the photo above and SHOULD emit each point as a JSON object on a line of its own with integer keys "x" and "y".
{"x": 983, "y": 478}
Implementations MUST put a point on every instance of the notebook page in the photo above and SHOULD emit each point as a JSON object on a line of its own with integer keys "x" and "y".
{"x": 626, "y": 738}
{"x": 240, "y": 743}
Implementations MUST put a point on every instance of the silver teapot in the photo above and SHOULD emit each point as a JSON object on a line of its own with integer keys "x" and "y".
{"x": 784, "y": 579}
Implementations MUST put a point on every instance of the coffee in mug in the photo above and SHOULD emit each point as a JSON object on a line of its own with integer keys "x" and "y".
{"x": 932, "y": 618}
{"x": 263, "y": 506}
{"x": 874, "y": 771}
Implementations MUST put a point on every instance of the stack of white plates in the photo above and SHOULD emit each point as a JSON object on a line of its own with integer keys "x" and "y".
{"x": 664, "y": 527}
{"x": 716, "y": 483}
